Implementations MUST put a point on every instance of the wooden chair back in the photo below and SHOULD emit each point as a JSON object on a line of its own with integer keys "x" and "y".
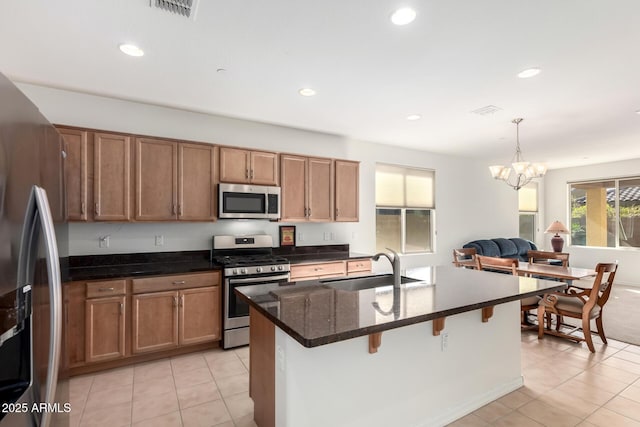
{"x": 487, "y": 262}
{"x": 545, "y": 257}
{"x": 602, "y": 286}
{"x": 463, "y": 254}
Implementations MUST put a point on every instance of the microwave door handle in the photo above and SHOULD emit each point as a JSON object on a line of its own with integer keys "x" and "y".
{"x": 55, "y": 297}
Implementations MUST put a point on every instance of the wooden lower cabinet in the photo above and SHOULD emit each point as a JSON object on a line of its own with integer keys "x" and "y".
{"x": 154, "y": 321}
{"x": 199, "y": 315}
{"x": 105, "y": 328}
{"x": 74, "y": 325}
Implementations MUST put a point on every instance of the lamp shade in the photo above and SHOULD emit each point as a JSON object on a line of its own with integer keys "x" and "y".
{"x": 557, "y": 227}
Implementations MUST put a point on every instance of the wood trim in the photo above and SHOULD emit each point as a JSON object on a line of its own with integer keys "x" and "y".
{"x": 375, "y": 340}
{"x": 487, "y": 313}
{"x": 438, "y": 326}
{"x": 262, "y": 365}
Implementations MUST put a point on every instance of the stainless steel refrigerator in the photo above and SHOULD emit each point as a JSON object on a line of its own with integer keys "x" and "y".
{"x": 32, "y": 244}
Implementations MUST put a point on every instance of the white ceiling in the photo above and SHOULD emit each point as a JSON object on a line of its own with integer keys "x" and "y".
{"x": 457, "y": 56}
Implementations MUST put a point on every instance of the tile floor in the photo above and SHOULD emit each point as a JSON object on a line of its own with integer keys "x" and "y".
{"x": 565, "y": 385}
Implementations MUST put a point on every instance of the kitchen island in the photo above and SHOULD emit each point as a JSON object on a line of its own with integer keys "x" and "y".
{"x": 359, "y": 352}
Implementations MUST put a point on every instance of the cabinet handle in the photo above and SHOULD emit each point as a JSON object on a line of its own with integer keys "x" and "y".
{"x": 251, "y": 173}
{"x": 182, "y": 301}
{"x": 317, "y": 269}
{"x": 173, "y": 209}
{"x": 83, "y": 207}
{"x": 309, "y": 212}
{"x": 246, "y": 173}
{"x": 121, "y": 308}
{"x": 305, "y": 212}
{"x": 175, "y": 301}
{"x": 179, "y": 282}
{"x": 180, "y": 210}
{"x": 97, "y": 209}
{"x": 337, "y": 212}
{"x": 106, "y": 289}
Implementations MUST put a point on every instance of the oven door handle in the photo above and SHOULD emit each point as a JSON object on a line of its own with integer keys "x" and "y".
{"x": 260, "y": 279}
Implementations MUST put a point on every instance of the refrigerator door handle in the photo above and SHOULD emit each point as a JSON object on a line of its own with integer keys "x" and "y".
{"x": 55, "y": 295}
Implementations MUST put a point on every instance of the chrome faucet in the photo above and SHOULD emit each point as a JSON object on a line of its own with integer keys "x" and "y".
{"x": 395, "y": 264}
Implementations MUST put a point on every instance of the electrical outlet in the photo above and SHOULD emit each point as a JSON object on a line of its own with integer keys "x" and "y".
{"x": 280, "y": 358}
{"x": 333, "y": 236}
{"x": 327, "y": 235}
{"x": 103, "y": 241}
{"x": 159, "y": 240}
{"x": 444, "y": 340}
{"x": 300, "y": 237}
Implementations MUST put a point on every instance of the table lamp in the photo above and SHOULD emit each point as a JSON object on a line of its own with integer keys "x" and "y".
{"x": 557, "y": 241}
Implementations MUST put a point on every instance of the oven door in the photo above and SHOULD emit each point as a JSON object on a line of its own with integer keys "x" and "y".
{"x": 236, "y": 312}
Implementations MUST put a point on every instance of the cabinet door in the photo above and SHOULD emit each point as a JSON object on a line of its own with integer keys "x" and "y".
{"x": 156, "y": 180}
{"x": 74, "y": 324}
{"x": 105, "y": 328}
{"x": 320, "y": 190}
{"x": 264, "y": 168}
{"x": 154, "y": 321}
{"x": 75, "y": 173}
{"x": 196, "y": 198}
{"x": 347, "y": 195}
{"x": 199, "y": 315}
{"x": 234, "y": 165}
{"x": 112, "y": 172}
{"x": 293, "y": 191}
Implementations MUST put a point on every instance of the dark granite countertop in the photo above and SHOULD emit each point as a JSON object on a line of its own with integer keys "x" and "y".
{"x": 96, "y": 267}
{"x": 319, "y": 312}
{"x": 318, "y": 253}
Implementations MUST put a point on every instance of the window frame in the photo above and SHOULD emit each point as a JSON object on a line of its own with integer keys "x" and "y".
{"x": 403, "y": 210}
{"x": 616, "y": 209}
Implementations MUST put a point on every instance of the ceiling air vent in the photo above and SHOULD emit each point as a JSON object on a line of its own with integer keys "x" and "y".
{"x": 186, "y": 8}
{"x": 485, "y": 111}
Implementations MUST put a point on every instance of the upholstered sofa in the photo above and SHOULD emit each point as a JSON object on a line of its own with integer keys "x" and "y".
{"x": 503, "y": 248}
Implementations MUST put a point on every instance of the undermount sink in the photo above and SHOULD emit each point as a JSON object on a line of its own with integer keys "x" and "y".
{"x": 367, "y": 282}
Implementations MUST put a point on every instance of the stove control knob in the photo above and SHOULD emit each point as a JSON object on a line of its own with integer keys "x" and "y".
{"x": 235, "y": 271}
{"x": 273, "y": 268}
{"x": 258, "y": 269}
{"x": 280, "y": 267}
{"x": 243, "y": 270}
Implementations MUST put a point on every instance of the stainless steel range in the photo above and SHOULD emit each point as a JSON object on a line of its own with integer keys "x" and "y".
{"x": 246, "y": 260}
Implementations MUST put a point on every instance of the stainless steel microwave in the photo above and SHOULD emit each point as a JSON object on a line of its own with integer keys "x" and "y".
{"x": 248, "y": 201}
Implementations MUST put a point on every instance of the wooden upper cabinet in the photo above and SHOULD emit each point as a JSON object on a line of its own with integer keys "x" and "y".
{"x": 248, "y": 167}
{"x": 75, "y": 173}
{"x": 319, "y": 190}
{"x": 293, "y": 192}
{"x": 306, "y": 189}
{"x": 347, "y": 192}
{"x": 264, "y": 168}
{"x": 196, "y": 182}
{"x": 112, "y": 177}
{"x": 156, "y": 180}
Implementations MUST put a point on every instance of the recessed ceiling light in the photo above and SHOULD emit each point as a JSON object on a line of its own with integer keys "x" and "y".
{"x": 403, "y": 16}
{"x": 413, "y": 117}
{"x": 306, "y": 91}
{"x": 529, "y": 72}
{"x": 131, "y": 49}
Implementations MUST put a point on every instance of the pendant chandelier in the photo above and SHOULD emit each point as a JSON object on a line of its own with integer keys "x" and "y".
{"x": 523, "y": 172}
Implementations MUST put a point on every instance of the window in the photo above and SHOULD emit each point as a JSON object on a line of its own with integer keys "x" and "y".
{"x": 405, "y": 209}
{"x": 606, "y": 213}
{"x": 528, "y": 207}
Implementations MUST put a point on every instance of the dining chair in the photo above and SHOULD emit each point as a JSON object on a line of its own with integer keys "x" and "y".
{"x": 494, "y": 263}
{"x": 464, "y": 254}
{"x": 553, "y": 258}
{"x": 584, "y": 304}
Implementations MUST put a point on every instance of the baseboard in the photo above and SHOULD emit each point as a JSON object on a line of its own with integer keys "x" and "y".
{"x": 468, "y": 407}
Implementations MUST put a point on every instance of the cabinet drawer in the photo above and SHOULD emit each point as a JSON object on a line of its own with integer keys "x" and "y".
{"x": 310, "y": 271}
{"x": 358, "y": 265}
{"x": 179, "y": 281}
{"x": 107, "y": 288}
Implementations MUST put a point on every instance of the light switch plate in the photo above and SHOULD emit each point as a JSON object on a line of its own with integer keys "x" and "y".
{"x": 159, "y": 240}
